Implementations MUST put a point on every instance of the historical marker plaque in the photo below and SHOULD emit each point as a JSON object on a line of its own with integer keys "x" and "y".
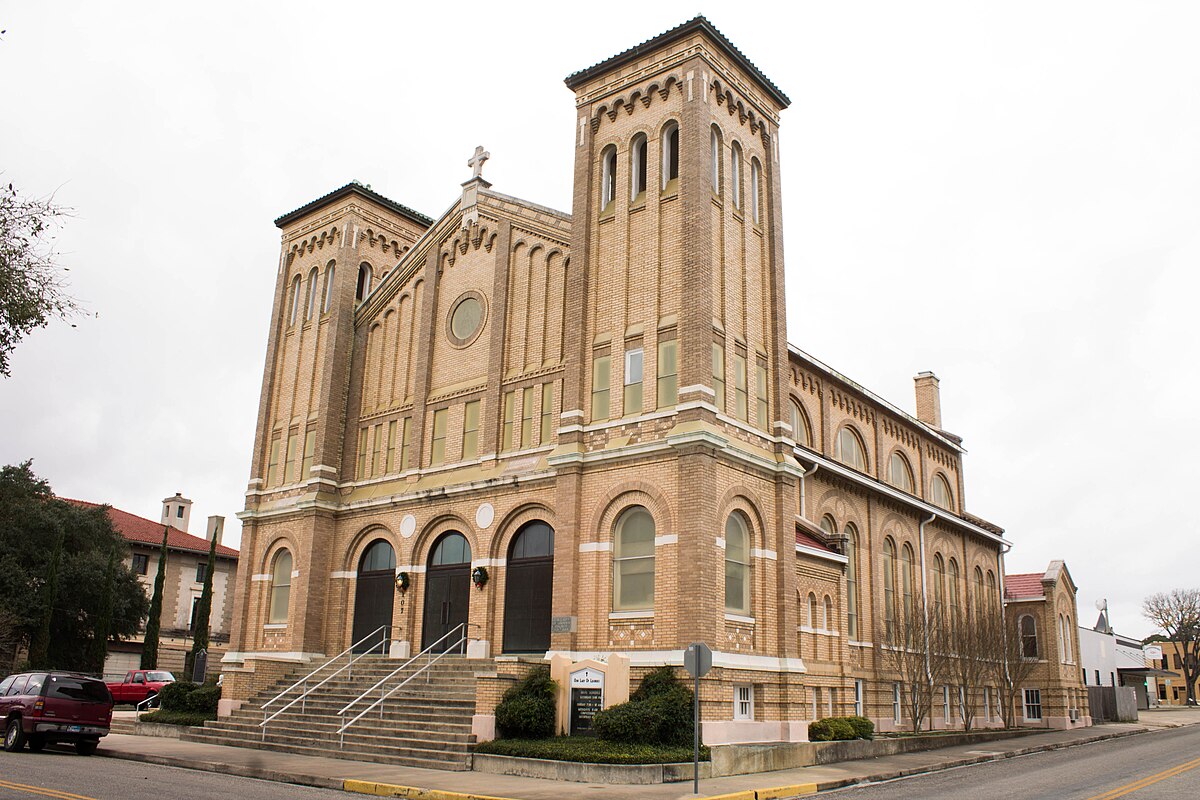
{"x": 587, "y": 699}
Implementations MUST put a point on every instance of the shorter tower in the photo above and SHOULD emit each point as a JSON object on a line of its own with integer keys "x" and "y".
{"x": 177, "y": 512}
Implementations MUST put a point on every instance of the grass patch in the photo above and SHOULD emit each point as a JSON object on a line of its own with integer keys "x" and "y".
{"x": 589, "y": 750}
{"x": 188, "y": 718}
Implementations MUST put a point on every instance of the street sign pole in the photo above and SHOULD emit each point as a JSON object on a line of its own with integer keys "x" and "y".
{"x": 697, "y": 660}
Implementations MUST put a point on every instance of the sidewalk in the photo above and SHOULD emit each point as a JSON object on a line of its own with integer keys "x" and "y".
{"x": 424, "y": 784}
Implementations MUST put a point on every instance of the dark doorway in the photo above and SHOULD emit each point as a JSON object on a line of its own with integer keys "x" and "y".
{"x": 528, "y": 591}
{"x": 373, "y": 595}
{"x": 447, "y": 591}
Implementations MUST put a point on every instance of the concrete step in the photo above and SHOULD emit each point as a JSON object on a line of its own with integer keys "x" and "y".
{"x": 441, "y": 731}
{"x": 409, "y": 758}
{"x": 360, "y": 742}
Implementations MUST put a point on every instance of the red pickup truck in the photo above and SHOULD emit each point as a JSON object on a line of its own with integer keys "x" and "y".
{"x": 140, "y": 685}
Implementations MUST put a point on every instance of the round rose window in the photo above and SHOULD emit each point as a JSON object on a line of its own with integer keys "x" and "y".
{"x": 466, "y": 318}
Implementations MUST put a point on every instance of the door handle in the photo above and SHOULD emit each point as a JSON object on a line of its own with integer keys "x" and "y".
{"x": 446, "y": 612}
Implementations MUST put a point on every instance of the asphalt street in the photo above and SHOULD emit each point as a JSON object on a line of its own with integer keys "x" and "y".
{"x": 1163, "y": 765}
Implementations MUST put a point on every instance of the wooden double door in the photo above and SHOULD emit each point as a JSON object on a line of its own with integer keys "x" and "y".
{"x": 374, "y": 593}
{"x": 529, "y": 590}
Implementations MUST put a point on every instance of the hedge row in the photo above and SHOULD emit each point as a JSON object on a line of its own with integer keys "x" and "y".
{"x": 659, "y": 713}
{"x": 589, "y": 750}
{"x": 836, "y": 729}
{"x": 190, "y": 698}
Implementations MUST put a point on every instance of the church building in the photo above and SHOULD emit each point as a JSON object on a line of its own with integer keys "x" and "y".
{"x": 515, "y": 432}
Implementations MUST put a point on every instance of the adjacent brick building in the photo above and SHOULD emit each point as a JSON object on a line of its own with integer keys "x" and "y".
{"x": 586, "y": 433}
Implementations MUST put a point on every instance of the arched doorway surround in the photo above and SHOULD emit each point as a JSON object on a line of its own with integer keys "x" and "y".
{"x": 374, "y": 592}
{"x": 528, "y": 591}
{"x": 447, "y": 589}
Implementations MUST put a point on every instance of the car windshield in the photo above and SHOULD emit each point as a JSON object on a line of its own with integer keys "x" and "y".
{"x": 164, "y": 677}
{"x": 83, "y": 689}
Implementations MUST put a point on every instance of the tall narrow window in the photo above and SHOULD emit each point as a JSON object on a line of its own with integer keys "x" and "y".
{"x": 310, "y": 447}
{"x": 389, "y": 455}
{"x": 952, "y": 591}
{"x": 899, "y": 475}
{"x": 991, "y": 592}
{"x": 668, "y": 373}
{"x": 281, "y": 587}
{"x": 1070, "y": 657}
{"x": 547, "y": 412}
{"x": 670, "y": 154}
{"x": 437, "y": 449}
{"x": 310, "y": 306}
{"x": 527, "y": 417}
{"x": 941, "y": 493}
{"x": 637, "y": 166}
{"x": 939, "y": 585}
{"x": 273, "y": 463}
{"x": 735, "y": 175}
{"x": 906, "y": 582}
{"x": 633, "y": 382}
{"x": 361, "y": 470}
{"x": 978, "y": 599}
{"x": 760, "y": 388}
{"x": 471, "y": 430}
{"x": 850, "y": 449}
{"x": 510, "y": 402}
{"x": 715, "y": 160}
{"x": 1033, "y": 705}
{"x": 608, "y": 177}
{"x": 363, "y": 287}
{"x": 851, "y": 582}
{"x": 800, "y": 426}
{"x": 327, "y": 302}
{"x": 295, "y": 306}
{"x": 743, "y": 701}
{"x": 896, "y": 703}
{"x": 377, "y": 451}
{"x": 755, "y": 190}
{"x": 1029, "y": 639}
{"x": 737, "y": 565}
{"x": 601, "y": 369}
{"x": 813, "y": 619}
{"x": 889, "y": 590}
{"x": 293, "y": 453}
{"x": 1062, "y": 639}
{"x": 405, "y": 443}
{"x": 718, "y": 373}
{"x": 633, "y": 561}
{"x": 827, "y": 614}
{"x": 741, "y": 401}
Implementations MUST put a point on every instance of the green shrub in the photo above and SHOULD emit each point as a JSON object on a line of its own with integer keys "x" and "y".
{"x": 589, "y": 750}
{"x": 188, "y": 718}
{"x": 658, "y": 713}
{"x": 203, "y": 700}
{"x": 527, "y": 709}
{"x": 839, "y": 729}
{"x": 174, "y": 696}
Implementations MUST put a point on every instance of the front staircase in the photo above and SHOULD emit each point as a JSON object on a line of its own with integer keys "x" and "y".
{"x": 425, "y": 724}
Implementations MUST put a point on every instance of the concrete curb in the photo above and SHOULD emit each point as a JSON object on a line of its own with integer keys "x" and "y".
{"x": 410, "y": 792}
{"x": 237, "y": 770}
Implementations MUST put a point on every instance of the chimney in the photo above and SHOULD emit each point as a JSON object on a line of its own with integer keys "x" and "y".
{"x": 929, "y": 399}
{"x": 216, "y": 528}
{"x": 177, "y": 511}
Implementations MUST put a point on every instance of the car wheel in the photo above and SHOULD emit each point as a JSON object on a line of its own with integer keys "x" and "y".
{"x": 14, "y": 737}
{"x": 36, "y": 743}
{"x": 85, "y": 747}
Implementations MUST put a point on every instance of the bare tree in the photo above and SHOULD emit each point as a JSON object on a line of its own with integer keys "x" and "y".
{"x": 1177, "y": 614}
{"x": 912, "y": 653}
{"x": 1010, "y": 660}
{"x": 969, "y": 649}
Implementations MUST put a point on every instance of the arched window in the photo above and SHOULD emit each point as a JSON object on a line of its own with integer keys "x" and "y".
{"x": 1029, "y": 639}
{"x": 310, "y": 302}
{"x": 328, "y": 301}
{"x": 978, "y": 591}
{"x": 827, "y": 616}
{"x": 850, "y": 449}
{"x": 633, "y": 561}
{"x": 452, "y": 548}
{"x": 737, "y": 565}
{"x": 637, "y": 166}
{"x": 735, "y": 175}
{"x": 812, "y": 611}
{"x": 906, "y": 580}
{"x": 670, "y": 153}
{"x": 608, "y": 176}
{"x": 714, "y": 172}
{"x": 800, "y": 431}
{"x": 889, "y": 589}
{"x": 755, "y": 190}
{"x": 941, "y": 493}
{"x": 379, "y": 556}
{"x": 939, "y": 585}
{"x": 899, "y": 473}
{"x": 1070, "y": 656}
{"x": 991, "y": 591}
{"x": 534, "y": 540}
{"x": 281, "y": 587}
{"x": 295, "y": 306}
{"x": 952, "y": 590}
{"x": 851, "y": 581}
{"x": 363, "y": 288}
{"x": 1062, "y": 639}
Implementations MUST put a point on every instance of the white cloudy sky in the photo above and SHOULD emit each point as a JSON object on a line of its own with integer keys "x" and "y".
{"x": 1005, "y": 193}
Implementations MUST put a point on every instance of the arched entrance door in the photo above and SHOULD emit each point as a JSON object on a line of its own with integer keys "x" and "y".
{"x": 529, "y": 589}
{"x": 447, "y": 589}
{"x": 373, "y": 595}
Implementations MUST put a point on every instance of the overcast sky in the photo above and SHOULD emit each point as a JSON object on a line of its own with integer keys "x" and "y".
{"x": 1007, "y": 194}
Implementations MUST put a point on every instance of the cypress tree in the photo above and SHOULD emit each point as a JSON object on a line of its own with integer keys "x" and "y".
{"x": 104, "y": 619}
{"x": 150, "y": 648}
{"x": 203, "y": 609}
{"x": 39, "y": 647}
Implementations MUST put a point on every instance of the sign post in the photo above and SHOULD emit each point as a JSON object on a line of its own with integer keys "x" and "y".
{"x": 697, "y": 660}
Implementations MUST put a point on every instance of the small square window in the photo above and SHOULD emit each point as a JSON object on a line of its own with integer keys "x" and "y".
{"x": 743, "y": 702}
{"x": 201, "y": 571}
{"x": 179, "y": 512}
{"x": 141, "y": 563}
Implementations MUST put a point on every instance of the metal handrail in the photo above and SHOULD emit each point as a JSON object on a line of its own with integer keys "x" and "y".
{"x": 384, "y": 695}
{"x": 386, "y": 629}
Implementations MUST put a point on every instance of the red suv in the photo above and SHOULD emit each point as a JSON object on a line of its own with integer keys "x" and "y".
{"x": 41, "y": 707}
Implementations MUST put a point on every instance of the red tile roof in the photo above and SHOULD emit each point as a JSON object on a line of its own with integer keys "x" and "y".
{"x": 1026, "y": 585}
{"x": 808, "y": 540}
{"x": 144, "y": 531}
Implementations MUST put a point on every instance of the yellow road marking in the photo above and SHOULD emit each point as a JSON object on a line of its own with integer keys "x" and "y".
{"x": 45, "y": 792}
{"x": 1149, "y": 780}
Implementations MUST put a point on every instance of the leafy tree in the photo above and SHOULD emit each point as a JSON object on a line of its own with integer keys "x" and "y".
{"x": 153, "y": 622}
{"x": 203, "y": 609}
{"x": 1177, "y": 614}
{"x": 53, "y": 560}
{"x": 32, "y": 287}
{"x": 99, "y": 648}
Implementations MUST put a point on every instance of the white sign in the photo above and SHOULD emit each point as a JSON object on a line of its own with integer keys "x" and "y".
{"x": 587, "y": 678}
{"x": 1152, "y": 651}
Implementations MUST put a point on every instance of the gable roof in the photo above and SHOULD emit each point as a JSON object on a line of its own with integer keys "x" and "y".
{"x": 139, "y": 530}
{"x": 673, "y": 35}
{"x": 1024, "y": 586}
{"x": 353, "y": 188}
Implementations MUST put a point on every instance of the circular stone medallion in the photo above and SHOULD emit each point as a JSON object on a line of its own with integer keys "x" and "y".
{"x": 408, "y": 526}
{"x": 485, "y": 516}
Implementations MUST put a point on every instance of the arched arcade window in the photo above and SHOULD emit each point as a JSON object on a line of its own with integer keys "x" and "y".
{"x": 294, "y": 309}
{"x": 737, "y": 565}
{"x": 942, "y": 498}
{"x": 800, "y": 430}
{"x": 735, "y": 175}
{"x": 608, "y": 176}
{"x": 378, "y": 557}
{"x": 755, "y": 190}
{"x": 633, "y": 561}
{"x": 850, "y": 449}
{"x": 281, "y": 587}
{"x": 899, "y": 473}
{"x": 637, "y": 166}
{"x": 363, "y": 287}
{"x": 452, "y": 548}
{"x": 889, "y": 589}
{"x": 670, "y": 153}
{"x": 1029, "y": 638}
{"x": 851, "y": 581}
{"x": 328, "y": 301}
{"x": 310, "y": 303}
